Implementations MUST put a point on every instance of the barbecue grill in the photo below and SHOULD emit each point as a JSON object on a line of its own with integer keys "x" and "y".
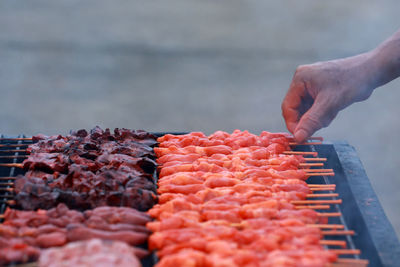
{"x": 365, "y": 225}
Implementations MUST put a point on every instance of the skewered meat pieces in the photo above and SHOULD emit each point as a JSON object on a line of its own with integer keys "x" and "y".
{"x": 15, "y": 250}
{"x": 34, "y": 193}
{"x": 95, "y": 252}
{"x": 226, "y": 200}
{"x": 47, "y": 162}
{"x": 81, "y": 140}
{"x": 58, "y": 162}
{"x": 24, "y": 233}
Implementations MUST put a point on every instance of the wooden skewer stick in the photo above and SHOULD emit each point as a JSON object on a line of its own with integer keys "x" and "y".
{"x": 6, "y": 189}
{"x": 315, "y": 159}
{"x": 1, "y": 216}
{"x": 310, "y": 138}
{"x": 314, "y": 154}
{"x": 338, "y": 232}
{"x": 12, "y": 165}
{"x": 321, "y": 174}
{"x": 30, "y": 138}
{"x": 313, "y": 189}
{"x": 311, "y": 165}
{"x": 346, "y": 251}
{"x": 313, "y": 207}
{"x": 323, "y": 201}
{"x": 6, "y": 196}
{"x": 7, "y": 178}
{"x": 13, "y": 145}
{"x": 329, "y": 214}
{"x": 9, "y": 202}
{"x": 327, "y": 226}
{"x": 6, "y": 184}
{"x": 304, "y": 144}
{"x": 14, "y": 151}
{"x": 320, "y": 138}
{"x": 322, "y": 185}
{"x": 339, "y": 243}
{"x": 322, "y": 195}
{"x": 355, "y": 261}
{"x": 318, "y": 170}
{"x": 346, "y": 265}
{"x": 31, "y": 264}
{"x": 13, "y": 157}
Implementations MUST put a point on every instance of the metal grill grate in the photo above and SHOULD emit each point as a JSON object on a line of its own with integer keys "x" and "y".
{"x": 9, "y": 153}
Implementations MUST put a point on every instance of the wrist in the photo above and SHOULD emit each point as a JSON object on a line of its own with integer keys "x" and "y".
{"x": 385, "y": 60}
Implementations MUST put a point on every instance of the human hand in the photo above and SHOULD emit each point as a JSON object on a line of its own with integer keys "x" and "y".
{"x": 319, "y": 91}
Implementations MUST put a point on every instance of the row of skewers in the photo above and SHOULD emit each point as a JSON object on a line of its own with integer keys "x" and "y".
{"x": 204, "y": 166}
{"x": 241, "y": 200}
{"x": 81, "y": 192}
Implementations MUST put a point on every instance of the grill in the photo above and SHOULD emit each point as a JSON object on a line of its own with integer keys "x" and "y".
{"x": 360, "y": 211}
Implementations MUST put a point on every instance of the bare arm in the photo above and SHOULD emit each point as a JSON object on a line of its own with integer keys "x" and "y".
{"x": 319, "y": 91}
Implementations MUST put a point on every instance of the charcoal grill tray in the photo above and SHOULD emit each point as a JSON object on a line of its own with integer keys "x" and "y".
{"x": 361, "y": 210}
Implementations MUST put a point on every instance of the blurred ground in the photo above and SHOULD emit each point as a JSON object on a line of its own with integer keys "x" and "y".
{"x": 185, "y": 65}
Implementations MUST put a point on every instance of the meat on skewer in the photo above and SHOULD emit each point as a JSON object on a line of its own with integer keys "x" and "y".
{"x": 24, "y": 233}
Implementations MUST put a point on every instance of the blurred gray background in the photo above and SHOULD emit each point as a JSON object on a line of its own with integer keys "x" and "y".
{"x": 184, "y": 65}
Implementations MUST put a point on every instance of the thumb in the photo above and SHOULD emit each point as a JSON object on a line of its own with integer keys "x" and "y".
{"x": 318, "y": 116}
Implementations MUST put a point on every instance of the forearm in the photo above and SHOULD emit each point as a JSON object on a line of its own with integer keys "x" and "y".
{"x": 386, "y": 60}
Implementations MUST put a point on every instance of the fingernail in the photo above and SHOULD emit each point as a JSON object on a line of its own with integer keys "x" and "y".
{"x": 300, "y": 136}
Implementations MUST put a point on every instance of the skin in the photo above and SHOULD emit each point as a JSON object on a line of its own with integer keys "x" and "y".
{"x": 319, "y": 91}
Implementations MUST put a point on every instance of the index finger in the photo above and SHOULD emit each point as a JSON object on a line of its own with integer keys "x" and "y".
{"x": 291, "y": 105}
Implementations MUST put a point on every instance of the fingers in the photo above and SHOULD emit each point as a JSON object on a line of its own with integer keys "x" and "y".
{"x": 291, "y": 105}
{"x": 318, "y": 116}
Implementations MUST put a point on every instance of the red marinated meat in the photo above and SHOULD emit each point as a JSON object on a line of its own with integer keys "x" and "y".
{"x": 23, "y": 233}
{"x": 94, "y": 252}
{"x": 81, "y": 232}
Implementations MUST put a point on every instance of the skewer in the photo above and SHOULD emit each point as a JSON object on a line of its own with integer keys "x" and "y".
{"x": 312, "y": 172}
{"x": 313, "y": 189}
{"x": 327, "y": 226}
{"x": 6, "y": 196}
{"x": 344, "y": 265}
{"x": 323, "y": 201}
{"x": 315, "y": 159}
{"x": 321, "y": 174}
{"x": 14, "y": 151}
{"x": 314, "y": 207}
{"x": 311, "y": 165}
{"x": 329, "y": 214}
{"x": 310, "y": 138}
{"x": 320, "y": 138}
{"x": 11, "y": 165}
{"x": 339, "y": 243}
{"x": 32, "y": 264}
{"x": 304, "y": 144}
{"x": 13, "y": 145}
{"x": 30, "y": 138}
{"x": 354, "y": 261}
{"x": 7, "y": 178}
{"x": 337, "y": 232}
{"x": 322, "y": 185}
{"x": 6, "y": 184}
{"x": 13, "y": 157}
{"x": 7, "y": 189}
{"x": 346, "y": 251}
{"x": 9, "y": 202}
{"x": 319, "y": 170}
{"x": 347, "y": 265}
{"x": 314, "y": 154}
{"x": 322, "y": 195}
